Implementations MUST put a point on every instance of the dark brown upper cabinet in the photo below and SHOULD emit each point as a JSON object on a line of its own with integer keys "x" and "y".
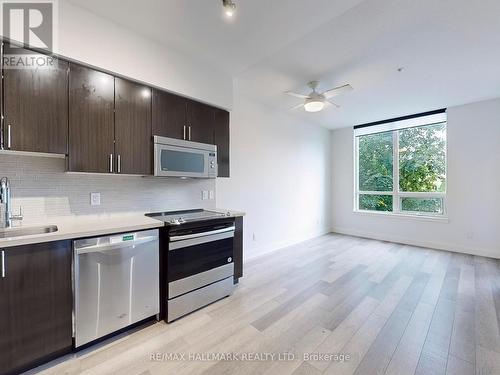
{"x": 36, "y": 305}
{"x": 221, "y": 126}
{"x": 36, "y": 106}
{"x": 182, "y": 118}
{"x": 103, "y": 123}
{"x": 133, "y": 136}
{"x": 91, "y": 120}
{"x": 200, "y": 121}
{"x": 169, "y": 115}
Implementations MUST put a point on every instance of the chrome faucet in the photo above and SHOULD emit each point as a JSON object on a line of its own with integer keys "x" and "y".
{"x": 7, "y": 216}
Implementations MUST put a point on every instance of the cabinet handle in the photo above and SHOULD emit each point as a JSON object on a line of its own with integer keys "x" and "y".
{"x": 9, "y": 138}
{"x": 119, "y": 164}
{"x": 110, "y": 163}
{"x": 189, "y": 132}
{"x": 3, "y": 264}
{"x": 184, "y": 132}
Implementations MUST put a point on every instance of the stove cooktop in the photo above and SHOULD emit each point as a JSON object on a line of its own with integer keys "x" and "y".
{"x": 185, "y": 216}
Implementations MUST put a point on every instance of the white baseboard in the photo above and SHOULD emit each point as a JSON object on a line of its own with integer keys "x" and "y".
{"x": 258, "y": 251}
{"x": 490, "y": 253}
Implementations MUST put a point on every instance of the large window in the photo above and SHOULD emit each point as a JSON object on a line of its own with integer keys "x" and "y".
{"x": 401, "y": 166}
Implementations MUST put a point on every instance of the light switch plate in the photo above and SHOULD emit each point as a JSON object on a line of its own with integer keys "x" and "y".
{"x": 204, "y": 195}
{"x": 95, "y": 199}
{"x": 211, "y": 194}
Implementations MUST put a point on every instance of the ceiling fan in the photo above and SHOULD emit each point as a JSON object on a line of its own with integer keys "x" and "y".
{"x": 315, "y": 101}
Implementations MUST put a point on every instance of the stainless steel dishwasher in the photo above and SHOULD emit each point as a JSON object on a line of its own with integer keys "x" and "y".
{"x": 116, "y": 283}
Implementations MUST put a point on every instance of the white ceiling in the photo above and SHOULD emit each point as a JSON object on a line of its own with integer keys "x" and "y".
{"x": 449, "y": 49}
{"x": 199, "y": 27}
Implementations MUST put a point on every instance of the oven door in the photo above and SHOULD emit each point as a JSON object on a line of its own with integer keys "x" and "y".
{"x": 174, "y": 161}
{"x": 199, "y": 257}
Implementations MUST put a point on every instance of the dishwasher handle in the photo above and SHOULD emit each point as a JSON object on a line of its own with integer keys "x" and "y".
{"x": 113, "y": 246}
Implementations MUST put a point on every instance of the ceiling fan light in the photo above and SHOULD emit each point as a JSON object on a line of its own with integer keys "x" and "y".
{"x": 314, "y": 106}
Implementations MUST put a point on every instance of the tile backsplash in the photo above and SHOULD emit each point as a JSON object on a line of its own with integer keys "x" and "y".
{"x": 42, "y": 187}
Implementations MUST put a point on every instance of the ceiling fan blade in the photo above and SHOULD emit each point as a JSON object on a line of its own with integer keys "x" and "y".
{"x": 332, "y": 103}
{"x": 297, "y": 106}
{"x": 291, "y": 93}
{"x": 337, "y": 91}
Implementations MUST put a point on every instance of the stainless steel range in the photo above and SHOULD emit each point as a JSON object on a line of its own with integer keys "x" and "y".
{"x": 197, "y": 254}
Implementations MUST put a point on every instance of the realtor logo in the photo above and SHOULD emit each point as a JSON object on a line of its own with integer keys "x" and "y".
{"x": 30, "y": 23}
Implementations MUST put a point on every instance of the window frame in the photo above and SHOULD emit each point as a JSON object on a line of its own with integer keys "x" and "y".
{"x": 396, "y": 194}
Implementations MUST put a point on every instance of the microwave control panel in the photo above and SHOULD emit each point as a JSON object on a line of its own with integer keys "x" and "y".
{"x": 212, "y": 165}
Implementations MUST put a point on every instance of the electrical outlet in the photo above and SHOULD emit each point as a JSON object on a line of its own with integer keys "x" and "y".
{"x": 95, "y": 199}
{"x": 204, "y": 195}
{"x": 211, "y": 194}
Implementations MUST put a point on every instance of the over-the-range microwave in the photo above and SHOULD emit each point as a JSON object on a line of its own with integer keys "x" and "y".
{"x": 178, "y": 158}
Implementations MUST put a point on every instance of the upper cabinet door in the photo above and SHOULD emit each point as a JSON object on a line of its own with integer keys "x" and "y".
{"x": 36, "y": 106}
{"x": 91, "y": 120}
{"x": 200, "y": 122}
{"x": 169, "y": 115}
{"x": 221, "y": 125}
{"x": 133, "y": 138}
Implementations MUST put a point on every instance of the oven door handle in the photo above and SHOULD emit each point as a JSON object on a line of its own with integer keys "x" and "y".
{"x": 202, "y": 234}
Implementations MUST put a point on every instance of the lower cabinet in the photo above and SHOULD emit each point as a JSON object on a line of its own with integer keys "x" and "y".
{"x": 238, "y": 248}
{"x": 35, "y": 304}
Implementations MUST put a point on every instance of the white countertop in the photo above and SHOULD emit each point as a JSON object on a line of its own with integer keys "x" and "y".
{"x": 83, "y": 226}
{"x": 72, "y": 227}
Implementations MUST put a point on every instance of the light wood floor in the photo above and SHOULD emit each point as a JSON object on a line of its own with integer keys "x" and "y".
{"x": 394, "y": 309}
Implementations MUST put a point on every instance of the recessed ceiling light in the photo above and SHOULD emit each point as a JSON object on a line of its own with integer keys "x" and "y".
{"x": 229, "y": 7}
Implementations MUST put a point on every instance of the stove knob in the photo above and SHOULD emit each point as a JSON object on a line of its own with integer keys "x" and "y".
{"x": 229, "y": 260}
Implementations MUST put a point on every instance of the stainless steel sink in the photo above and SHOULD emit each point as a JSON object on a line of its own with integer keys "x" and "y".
{"x": 26, "y": 231}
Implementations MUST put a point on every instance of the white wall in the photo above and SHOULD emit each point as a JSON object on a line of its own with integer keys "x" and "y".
{"x": 280, "y": 176}
{"x": 473, "y": 197}
{"x": 88, "y": 38}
